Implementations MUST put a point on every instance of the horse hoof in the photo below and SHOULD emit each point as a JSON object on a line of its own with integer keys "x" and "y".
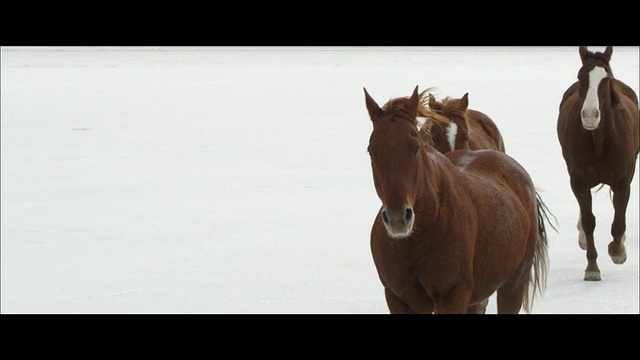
{"x": 619, "y": 259}
{"x": 592, "y": 276}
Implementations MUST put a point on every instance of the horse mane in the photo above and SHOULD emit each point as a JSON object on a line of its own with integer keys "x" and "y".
{"x": 600, "y": 56}
{"x": 399, "y": 106}
{"x": 616, "y": 89}
{"x": 450, "y": 110}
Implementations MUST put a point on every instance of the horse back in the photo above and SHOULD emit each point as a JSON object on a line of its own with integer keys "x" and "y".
{"x": 493, "y": 166}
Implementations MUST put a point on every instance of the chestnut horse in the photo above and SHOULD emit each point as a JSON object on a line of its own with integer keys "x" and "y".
{"x": 453, "y": 228}
{"x": 598, "y": 132}
{"x": 451, "y": 125}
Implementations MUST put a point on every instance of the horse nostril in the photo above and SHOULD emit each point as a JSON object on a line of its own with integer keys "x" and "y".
{"x": 408, "y": 214}
{"x": 385, "y": 218}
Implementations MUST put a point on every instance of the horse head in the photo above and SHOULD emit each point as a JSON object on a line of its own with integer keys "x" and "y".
{"x": 448, "y": 126}
{"x": 395, "y": 148}
{"x": 595, "y": 85}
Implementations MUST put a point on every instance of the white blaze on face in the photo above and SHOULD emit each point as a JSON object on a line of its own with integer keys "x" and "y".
{"x": 452, "y": 131}
{"x": 590, "y": 112}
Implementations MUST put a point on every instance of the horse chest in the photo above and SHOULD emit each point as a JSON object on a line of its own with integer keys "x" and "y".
{"x": 412, "y": 272}
{"x": 600, "y": 159}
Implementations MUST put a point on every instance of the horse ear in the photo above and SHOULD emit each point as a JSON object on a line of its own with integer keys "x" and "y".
{"x": 433, "y": 104}
{"x": 413, "y": 102}
{"x": 464, "y": 101}
{"x": 607, "y": 53}
{"x": 583, "y": 53}
{"x": 372, "y": 107}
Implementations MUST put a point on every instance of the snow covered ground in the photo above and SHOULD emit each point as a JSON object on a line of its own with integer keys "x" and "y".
{"x": 236, "y": 180}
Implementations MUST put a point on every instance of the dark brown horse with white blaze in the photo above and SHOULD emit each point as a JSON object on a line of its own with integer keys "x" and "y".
{"x": 598, "y": 132}
{"x": 451, "y": 125}
{"x": 454, "y": 228}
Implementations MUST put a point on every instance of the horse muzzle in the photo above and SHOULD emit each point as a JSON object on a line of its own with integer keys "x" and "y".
{"x": 398, "y": 222}
{"x": 590, "y": 119}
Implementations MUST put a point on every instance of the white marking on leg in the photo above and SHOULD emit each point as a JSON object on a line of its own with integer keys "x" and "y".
{"x": 622, "y": 257}
{"x": 452, "y": 131}
{"x": 592, "y": 276}
{"x": 582, "y": 238}
{"x": 590, "y": 112}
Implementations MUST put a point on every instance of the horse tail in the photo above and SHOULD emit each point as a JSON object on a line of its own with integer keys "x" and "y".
{"x": 538, "y": 276}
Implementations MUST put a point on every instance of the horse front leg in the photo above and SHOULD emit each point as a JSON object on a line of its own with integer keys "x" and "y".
{"x": 586, "y": 226}
{"x": 617, "y": 250}
{"x": 456, "y": 301}
{"x": 415, "y": 301}
{"x": 395, "y": 304}
{"x": 479, "y": 308}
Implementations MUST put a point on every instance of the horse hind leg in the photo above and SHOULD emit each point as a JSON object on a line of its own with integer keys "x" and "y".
{"x": 616, "y": 248}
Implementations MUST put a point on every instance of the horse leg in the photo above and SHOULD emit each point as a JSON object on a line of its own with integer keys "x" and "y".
{"x": 582, "y": 239}
{"x": 588, "y": 224}
{"x": 510, "y": 296}
{"x": 620, "y": 200}
{"x": 396, "y": 305}
{"x": 479, "y": 308}
{"x": 456, "y": 301}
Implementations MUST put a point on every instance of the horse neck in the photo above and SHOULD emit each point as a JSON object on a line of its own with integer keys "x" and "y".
{"x": 472, "y": 131}
{"x": 436, "y": 178}
{"x": 465, "y": 121}
{"x": 608, "y": 126}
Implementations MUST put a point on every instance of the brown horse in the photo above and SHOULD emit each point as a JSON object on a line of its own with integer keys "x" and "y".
{"x": 598, "y": 132}
{"x": 451, "y": 125}
{"x": 453, "y": 228}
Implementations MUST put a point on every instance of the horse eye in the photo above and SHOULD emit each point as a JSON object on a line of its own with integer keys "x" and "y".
{"x": 416, "y": 151}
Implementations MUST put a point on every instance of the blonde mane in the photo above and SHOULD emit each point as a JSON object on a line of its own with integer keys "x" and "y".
{"x": 442, "y": 118}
